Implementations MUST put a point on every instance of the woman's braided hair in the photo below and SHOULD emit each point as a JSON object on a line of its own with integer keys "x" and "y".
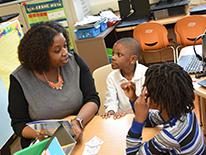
{"x": 171, "y": 87}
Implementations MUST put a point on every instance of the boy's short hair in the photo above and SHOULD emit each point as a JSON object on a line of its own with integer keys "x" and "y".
{"x": 132, "y": 44}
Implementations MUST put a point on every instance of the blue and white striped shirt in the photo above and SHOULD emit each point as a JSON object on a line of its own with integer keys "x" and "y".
{"x": 182, "y": 136}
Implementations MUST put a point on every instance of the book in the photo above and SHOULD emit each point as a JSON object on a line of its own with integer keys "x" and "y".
{"x": 35, "y": 149}
{"x": 53, "y": 148}
{"x": 49, "y": 126}
{"x": 49, "y": 146}
{"x": 60, "y": 129}
{"x": 65, "y": 138}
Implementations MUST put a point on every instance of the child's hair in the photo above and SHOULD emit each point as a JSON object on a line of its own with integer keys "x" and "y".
{"x": 131, "y": 44}
{"x": 171, "y": 87}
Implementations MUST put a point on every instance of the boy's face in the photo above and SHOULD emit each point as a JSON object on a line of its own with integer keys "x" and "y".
{"x": 122, "y": 57}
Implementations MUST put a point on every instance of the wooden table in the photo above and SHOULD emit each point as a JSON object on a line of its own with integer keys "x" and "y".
{"x": 201, "y": 92}
{"x": 113, "y": 133}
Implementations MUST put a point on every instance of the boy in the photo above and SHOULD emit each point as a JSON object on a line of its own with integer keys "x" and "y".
{"x": 169, "y": 90}
{"x": 126, "y": 52}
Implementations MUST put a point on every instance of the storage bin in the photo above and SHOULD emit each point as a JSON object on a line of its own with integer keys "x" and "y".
{"x": 103, "y": 26}
{"x": 109, "y": 54}
{"x": 87, "y": 33}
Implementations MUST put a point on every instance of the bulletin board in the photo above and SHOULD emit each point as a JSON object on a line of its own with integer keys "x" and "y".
{"x": 10, "y": 36}
{"x": 45, "y": 10}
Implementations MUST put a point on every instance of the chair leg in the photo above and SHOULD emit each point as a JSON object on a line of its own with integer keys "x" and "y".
{"x": 177, "y": 51}
{"x": 174, "y": 54}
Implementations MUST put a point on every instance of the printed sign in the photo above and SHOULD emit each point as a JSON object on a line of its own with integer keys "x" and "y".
{"x": 46, "y": 10}
{"x": 10, "y": 36}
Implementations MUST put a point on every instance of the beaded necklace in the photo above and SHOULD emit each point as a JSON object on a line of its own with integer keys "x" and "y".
{"x": 58, "y": 85}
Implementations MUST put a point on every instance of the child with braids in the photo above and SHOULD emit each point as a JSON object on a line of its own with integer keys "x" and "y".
{"x": 167, "y": 99}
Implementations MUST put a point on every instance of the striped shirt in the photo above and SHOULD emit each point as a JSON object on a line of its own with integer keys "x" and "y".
{"x": 182, "y": 136}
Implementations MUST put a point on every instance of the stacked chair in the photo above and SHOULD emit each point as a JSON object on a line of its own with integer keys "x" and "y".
{"x": 187, "y": 30}
{"x": 153, "y": 38}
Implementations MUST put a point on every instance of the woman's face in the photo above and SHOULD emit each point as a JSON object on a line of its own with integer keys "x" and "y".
{"x": 58, "y": 52}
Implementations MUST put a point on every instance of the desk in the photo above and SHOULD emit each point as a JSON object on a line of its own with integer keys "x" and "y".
{"x": 199, "y": 91}
{"x": 113, "y": 133}
{"x": 188, "y": 50}
{"x": 165, "y": 21}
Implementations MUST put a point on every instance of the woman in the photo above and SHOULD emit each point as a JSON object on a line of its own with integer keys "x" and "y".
{"x": 51, "y": 82}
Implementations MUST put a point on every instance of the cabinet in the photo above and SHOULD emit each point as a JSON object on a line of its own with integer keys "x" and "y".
{"x": 93, "y": 50}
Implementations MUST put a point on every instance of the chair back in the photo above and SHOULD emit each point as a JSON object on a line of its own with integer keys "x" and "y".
{"x": 100, "y": 76}
{"x": 151, "y": 36}
{"x": 188, "y": 28}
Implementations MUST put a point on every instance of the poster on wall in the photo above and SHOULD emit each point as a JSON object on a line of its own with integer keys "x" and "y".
{"x": 45, "y": 10}
{"x": 10, "y": 36}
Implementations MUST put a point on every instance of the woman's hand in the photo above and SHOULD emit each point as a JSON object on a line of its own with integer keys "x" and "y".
{"x": 41, "y": 135}
{"x": 129, "y": 90}
{"x": 141, "y": 106}
{"x": 77, "y": 130}
{"x": 30, "y": 133}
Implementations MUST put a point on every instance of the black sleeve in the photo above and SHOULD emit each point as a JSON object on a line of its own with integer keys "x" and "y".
{"x": 87, "y": 83}
{"x": 18, "y": 106}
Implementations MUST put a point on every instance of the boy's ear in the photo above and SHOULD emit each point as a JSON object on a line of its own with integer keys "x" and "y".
{"x": 134, "y": 58}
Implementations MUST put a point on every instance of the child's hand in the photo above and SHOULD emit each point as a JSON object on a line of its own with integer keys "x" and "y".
{"x": 142, "y": 106}
{"x": 119, "y": 114}
{"x": 129, "y": 90}
{"x": 107, "y": 114}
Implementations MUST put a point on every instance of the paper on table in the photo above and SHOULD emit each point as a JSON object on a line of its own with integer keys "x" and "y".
{"x": 92, "y": 147}
{"x": 109, "y": 15}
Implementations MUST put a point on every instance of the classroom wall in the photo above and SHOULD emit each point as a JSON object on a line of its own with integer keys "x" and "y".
{"x": 98, "y": 5}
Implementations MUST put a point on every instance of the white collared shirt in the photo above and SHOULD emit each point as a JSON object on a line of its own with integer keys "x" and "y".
{"x": 115, "y": 98}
